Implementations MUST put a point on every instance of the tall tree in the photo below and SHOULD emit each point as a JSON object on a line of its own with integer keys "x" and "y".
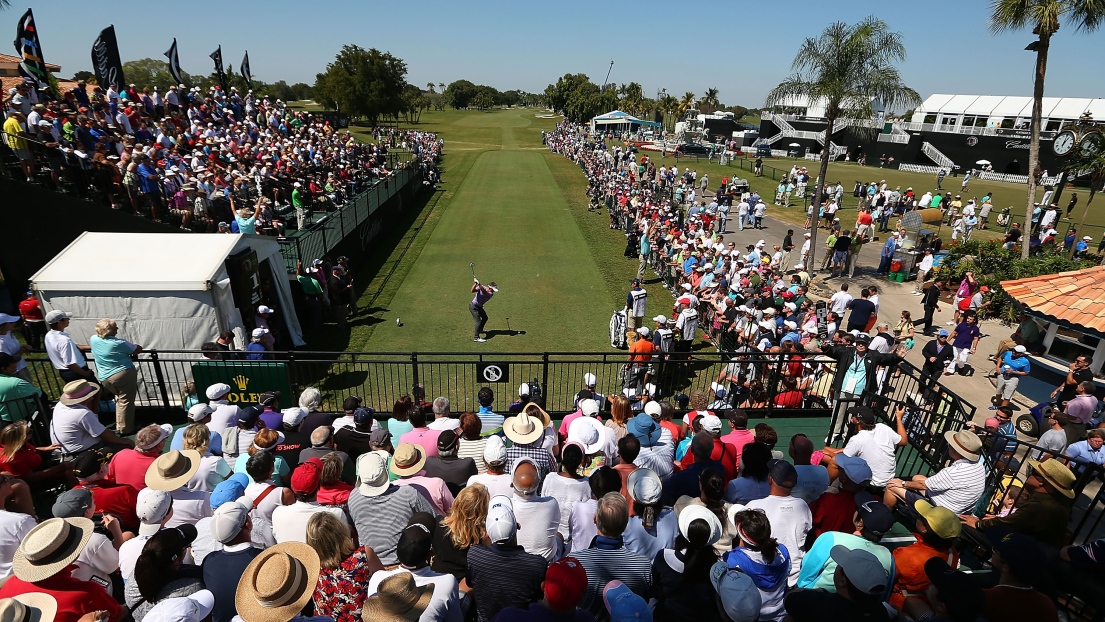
{"x": 364, "y": 83}
{"x": 846, "y": 68}
{"x": 668, "y": 104}
{"x": 1044, "y": 17}
{"x": 710, "y": 101}
{"x": 430, "y": 86}
{"x": 687, "y": 102}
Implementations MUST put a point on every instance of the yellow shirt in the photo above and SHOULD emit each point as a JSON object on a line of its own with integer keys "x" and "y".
{"x": 13, "y": 129}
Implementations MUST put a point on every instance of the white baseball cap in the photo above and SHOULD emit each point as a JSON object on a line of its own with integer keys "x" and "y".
{"x": 199, "y": 411}
{"x": 523, "y": 389}
{"x": 501, "y": 524}
{"x": 589, "y": 407}
{"x": 589, "y": 379}
{"x": 293, "y": 416}
{"x": 192, "y": 608}
{"x": 259, "y": 332}
{"x": 643, "y": 331}
{"x": 56, "y": 316}
{"x": 711, "y": 424}
{"x": 217, "y": 390}
{"x": 153, "y": 506}
{"x": 228, "y": 520}
{"x": 264, "y": 309}
{"x": 494, "y": 450}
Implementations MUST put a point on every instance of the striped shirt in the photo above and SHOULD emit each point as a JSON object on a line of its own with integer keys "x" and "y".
{"x": 381, "y": 519}
{"x": 473, "y": 450}
{"x": 958, "y": 486}
{"x": 503, "y": 576}
{"x": 658, "y": 457}
{"x": 607, "y": 561}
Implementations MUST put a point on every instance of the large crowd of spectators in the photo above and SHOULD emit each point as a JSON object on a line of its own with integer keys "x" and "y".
{"x": 213, "y": 161}
{"x": 258, "y": 513}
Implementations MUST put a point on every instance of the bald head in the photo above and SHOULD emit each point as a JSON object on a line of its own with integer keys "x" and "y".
{"x": 525, "y": 479}
{"x": 801, "y": 449}
{"x": 321, "y": 436}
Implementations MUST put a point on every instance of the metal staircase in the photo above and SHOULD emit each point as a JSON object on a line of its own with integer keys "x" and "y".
{"x": 786, "y": 130}
{"x": 937, "y": 156}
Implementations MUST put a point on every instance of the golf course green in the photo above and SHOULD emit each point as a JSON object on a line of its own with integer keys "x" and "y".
{"x": 520, "y": 215}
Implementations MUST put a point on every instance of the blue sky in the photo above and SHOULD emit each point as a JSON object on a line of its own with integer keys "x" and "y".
{"x": 743, "y": 48}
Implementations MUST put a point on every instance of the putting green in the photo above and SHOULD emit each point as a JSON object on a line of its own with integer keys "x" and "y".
{"x": 510, "y": 216}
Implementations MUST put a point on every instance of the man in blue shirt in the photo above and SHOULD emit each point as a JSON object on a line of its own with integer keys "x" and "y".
{"x": 887, "y": 253}
{"x": 1011, "y": 368}
{"x": 1088, "y": 451}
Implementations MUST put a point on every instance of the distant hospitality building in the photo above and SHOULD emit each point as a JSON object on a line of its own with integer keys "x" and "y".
{"x": 949, "y": 131}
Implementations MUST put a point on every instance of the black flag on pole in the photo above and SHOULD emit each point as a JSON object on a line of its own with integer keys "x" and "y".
{"x": 217, "y": 56}
{"x": 29, "y": 50}
{"x": 174, "y": 63}
{"x": 245, "y": 70}
{"x": 105, "y": 59}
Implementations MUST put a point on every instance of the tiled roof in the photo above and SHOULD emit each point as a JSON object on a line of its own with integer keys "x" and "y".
{"x": 1077, "y": 297}
{"x": 9, "y": 82}
{"x": 8, "y": 58}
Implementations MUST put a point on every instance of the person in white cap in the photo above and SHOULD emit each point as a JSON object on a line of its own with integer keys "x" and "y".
{"x": 495, "y": 477}
{"x": 155, "y": 508}
{"x": 261, "y": 320}
{"x": 199, "y": 413}
{"x": 380, "y": 509}
{"x": 256, "y": 348}
{"x": 223, "y": 414}
{"x": 65, "y": 354}
{"x": 491, "y": 590}
{"x": 1013, "y": 366}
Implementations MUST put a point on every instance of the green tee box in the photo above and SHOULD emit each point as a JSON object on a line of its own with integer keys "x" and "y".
{"x": 247, "y": 380}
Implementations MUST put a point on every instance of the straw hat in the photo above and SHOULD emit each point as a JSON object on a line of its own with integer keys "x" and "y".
{"x": 408, "y": 459}
{"x": 1056, "y": 474}
{"x": 965, "y": 443}
{"x": 77, "y": 391}
{"x": 173, "y": 470}
{"x": 277, "y": 584}
{"x": 523, "y": 428}
{"x": 535, "y": 411}
{"x": 398, "y": 599}
{"x": 30, "y": 607}
{"x": 50, "y": 547}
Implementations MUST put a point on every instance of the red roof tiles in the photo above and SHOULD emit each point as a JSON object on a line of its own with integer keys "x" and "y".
{"x": 1077, "y": 297}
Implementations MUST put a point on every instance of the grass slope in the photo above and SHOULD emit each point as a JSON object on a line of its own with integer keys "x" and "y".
{"x": 510, "y": 216}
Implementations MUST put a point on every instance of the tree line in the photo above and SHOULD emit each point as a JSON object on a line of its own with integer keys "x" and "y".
{"x": 580, "y": 99}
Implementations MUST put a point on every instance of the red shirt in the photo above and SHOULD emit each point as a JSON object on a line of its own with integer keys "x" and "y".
{"x": 117, "y": 499}
{"x": 31, "y": 310}
{"x": 834, "y": 512}
{"x": 24, "y": 461}
{"x": 675, "y": 429}
{"x": 789, "y": 399}
{"x": 624, "y": 470}
{"x": 724, "y": 453}
{"x": 129, "y": 467}
{"x": 865, "y": 218}
{"x": 337, "y": 494}
{"x": 75, "y": 597}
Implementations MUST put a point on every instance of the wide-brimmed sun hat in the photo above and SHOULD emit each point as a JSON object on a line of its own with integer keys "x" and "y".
{"x": 277, "y": 584}
{"x": 29, "y": 607}
{"x": 398, "y": 599}
{"x": 965, "y": 443}
{"x": 77, "y": 391}
{"x": 588, "y": 432}
{"x": 408, "y": 459}
{"x": 523, "y": 428}
{"x": 51, "y": 546}
{"x": 1058, "y": 475}
{"x": 173, "y": 470}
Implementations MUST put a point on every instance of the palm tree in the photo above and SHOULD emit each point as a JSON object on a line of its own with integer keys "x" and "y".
{"x": 846, "y": 69}
{"x": 1043, "y": 16}
{"x": 668, "y": 104}
{"x": 710, "y": 101}
{"x": 686, "y": 103}
{"x": 441, "y": 85}
{"x": 1088, "y": 160}
{"x": 430, "y": 85}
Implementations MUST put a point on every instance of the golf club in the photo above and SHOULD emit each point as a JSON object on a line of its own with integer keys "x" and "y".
{"x": 473, "y": 266}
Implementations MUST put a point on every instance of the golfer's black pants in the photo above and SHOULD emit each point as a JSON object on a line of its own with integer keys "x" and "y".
{"x": 479, "y": 318}
{"x": 928, "y": 318}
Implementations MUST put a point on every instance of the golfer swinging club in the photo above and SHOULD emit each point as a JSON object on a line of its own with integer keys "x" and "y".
{"x": 479, "y": 317}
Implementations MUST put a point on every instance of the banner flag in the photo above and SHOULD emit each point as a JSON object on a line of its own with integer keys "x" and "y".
{"x": 29, "y": 50}
{"x": 217, "y": 56}
{"x": 245, "y": 70}
{"x": 174, "y": 63}
{"x": 105, "y": 59}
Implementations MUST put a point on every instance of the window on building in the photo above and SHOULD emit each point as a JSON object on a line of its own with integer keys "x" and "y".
{"x": 930, "y": 118}
{"x": 1053, "y": 125}
{"x": 1070, "y": 344}
{"x": 948, "y": 122}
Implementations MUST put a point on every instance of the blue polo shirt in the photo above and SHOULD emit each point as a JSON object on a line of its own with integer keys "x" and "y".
{"x": 1016, "y": 364}
{"x": 112, "y": 355}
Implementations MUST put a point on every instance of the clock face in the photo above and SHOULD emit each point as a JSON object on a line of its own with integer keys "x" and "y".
{"x": 1063, "y": 143}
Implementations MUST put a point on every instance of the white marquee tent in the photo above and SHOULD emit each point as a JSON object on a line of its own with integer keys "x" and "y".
{"x": 618, "y": 121}
{"x": 168, "y": 291}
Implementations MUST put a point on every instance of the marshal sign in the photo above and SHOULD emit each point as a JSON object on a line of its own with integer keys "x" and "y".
{"x": 247, "y": 380}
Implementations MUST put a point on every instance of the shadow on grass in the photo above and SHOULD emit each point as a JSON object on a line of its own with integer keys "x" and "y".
{"x": 504, "y": 333}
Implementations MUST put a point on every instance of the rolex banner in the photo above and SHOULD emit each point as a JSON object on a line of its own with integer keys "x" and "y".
{"x": 246, "y": 73}
{"x": 29, "y": 50}
{"x": 247, "y": 380}
{"x": 105, "y": 59}
{"x": 174, "y": 63}
{"x": 217, "y": 56}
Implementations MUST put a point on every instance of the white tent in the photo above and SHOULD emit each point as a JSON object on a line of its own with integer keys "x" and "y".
{"x": 169, "y": 291}
{"x": 618, "y": 120}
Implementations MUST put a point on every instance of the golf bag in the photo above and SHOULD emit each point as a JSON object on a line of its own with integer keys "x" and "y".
{"x": 617, "y": 329}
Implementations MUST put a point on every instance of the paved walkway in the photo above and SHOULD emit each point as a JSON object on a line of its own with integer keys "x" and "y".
{"x": 893, "y": 299}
